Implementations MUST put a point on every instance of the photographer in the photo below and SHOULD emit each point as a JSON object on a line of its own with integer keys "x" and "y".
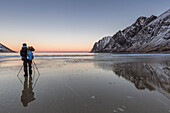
{"x": 27, "y": 57}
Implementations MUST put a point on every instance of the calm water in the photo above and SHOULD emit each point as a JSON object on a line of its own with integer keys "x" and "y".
{"x": 86, "y": 83}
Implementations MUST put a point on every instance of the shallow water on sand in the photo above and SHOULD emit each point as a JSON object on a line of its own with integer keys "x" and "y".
{"x": 86, "y": 83}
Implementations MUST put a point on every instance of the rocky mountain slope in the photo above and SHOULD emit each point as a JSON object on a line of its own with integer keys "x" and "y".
{"x": 4, "y": 48}
{"x": 146, "y": 35}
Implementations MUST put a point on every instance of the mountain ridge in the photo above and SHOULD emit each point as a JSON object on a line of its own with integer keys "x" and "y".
{"x": 146, "y": 35}
{"x": 4, "y": 48}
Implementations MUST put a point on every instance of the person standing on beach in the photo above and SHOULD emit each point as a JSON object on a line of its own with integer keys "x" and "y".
{"x": 23, "y": 54}
{"x": 27, "y": 57}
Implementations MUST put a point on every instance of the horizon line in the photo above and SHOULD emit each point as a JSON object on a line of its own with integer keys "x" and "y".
{"x": 61, "y": 51}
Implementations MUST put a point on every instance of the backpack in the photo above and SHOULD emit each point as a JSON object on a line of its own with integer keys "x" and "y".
{"x": 30, "y": 55}
{"x": 23, "y": 52}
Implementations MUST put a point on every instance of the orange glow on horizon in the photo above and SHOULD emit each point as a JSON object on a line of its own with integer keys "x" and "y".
{"x": 78, "y": 47}
{"x": 53, "y": 49}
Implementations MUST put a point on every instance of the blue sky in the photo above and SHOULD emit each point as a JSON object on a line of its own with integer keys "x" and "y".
{"x": 65, "y": 25}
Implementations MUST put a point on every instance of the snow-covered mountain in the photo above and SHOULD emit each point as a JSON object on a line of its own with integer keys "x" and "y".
{"x": 4, "y": 48}
{"x": 145, "y": 35}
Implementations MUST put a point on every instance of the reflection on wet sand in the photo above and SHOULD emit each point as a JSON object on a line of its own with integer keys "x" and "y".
{"x": 144, "y": 75}
{"x": 27, "y": 93}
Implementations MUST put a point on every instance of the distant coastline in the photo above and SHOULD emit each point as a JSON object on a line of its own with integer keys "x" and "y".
{"x": 162, "y": 52}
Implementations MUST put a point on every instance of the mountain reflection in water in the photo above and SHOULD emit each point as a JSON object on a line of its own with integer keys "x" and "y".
{"x": 151, "y": 75}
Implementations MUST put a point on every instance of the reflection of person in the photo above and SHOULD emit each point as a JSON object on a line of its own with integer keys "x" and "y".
{"x": 27, "y": 57}
{"x": 27, "y": 92}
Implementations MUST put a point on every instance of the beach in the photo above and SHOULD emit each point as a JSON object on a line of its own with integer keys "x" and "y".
{"x": 86, "y": 83}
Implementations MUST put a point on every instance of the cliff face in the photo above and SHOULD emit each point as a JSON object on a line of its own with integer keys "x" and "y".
{"x": 145, "y": 35}
{"x": 5, "y": 49}
{"x": 101, "y": 44}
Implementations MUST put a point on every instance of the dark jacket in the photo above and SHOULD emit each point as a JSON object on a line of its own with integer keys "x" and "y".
{"x": 23, "y": 52}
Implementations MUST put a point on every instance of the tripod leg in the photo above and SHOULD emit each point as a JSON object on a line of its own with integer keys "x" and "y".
{"x": 19, "y": 70}
{"x": 36, "y": 68}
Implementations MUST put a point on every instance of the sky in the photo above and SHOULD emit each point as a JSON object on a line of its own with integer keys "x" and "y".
{"x": 69, "y": 25}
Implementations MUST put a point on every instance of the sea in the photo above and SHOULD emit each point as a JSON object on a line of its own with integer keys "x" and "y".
{"x": 85, "y": 83}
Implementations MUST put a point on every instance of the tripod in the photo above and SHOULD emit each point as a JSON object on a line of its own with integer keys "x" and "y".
{"x": 33, "y": 67}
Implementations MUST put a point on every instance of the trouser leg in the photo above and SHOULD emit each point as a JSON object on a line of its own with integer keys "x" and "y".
{"x": 30, "y": 66}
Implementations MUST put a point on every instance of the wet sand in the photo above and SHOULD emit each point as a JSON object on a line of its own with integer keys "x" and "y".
{"x": 92, "y": 84}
